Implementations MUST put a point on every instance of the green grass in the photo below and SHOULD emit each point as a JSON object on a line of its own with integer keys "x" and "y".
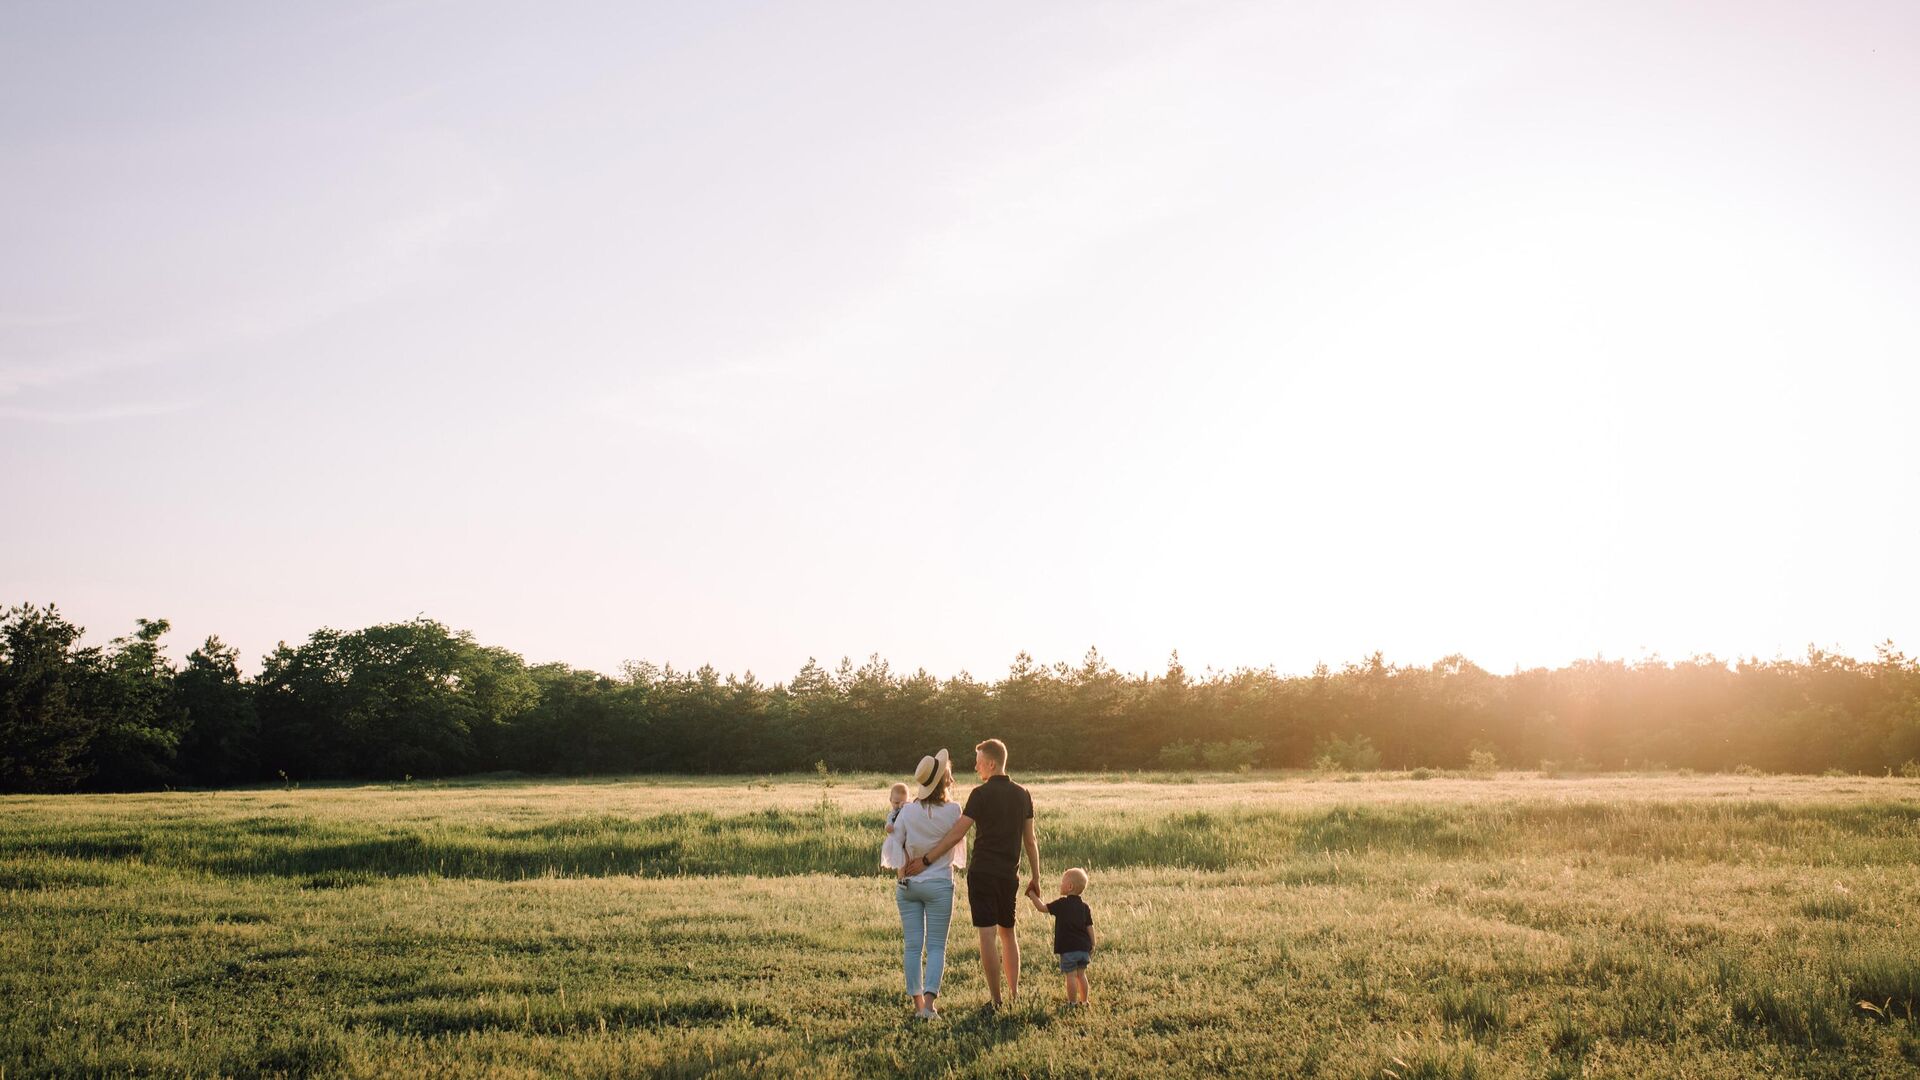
{"x": 1252, "y": 925}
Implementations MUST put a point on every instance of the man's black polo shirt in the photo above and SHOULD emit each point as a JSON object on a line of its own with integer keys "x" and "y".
{"x": 999, "y": 810}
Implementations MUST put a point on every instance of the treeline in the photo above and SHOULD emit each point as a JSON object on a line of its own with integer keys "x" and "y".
{"x": 417, "y": 699}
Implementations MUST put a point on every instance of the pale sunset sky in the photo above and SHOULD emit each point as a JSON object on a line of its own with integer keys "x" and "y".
{"x": 743, "y": 333}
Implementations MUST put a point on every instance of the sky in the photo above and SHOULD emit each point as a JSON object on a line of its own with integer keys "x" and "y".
{"x": 742, "y": 333}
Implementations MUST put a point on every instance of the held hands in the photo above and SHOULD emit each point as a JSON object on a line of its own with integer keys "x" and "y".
{"x": 1033, "y": 888}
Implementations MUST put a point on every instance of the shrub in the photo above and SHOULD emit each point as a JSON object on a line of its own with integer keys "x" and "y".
{"x": 1334, "y": 754}
{"x": 1483, "y": 760}
{"x": 1746, "y": 770}
{"x": 1239, "y": 754}
{"x": 1179, "y": 755}
{"x": 1911, "y": 770}
{"x": 1421, "y": 773}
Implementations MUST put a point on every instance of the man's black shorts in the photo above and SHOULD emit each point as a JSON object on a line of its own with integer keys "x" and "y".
{"x": 992, "y": 899}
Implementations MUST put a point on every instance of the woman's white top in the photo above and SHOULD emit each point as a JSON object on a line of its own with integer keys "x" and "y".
{"x": 919, "y": 827}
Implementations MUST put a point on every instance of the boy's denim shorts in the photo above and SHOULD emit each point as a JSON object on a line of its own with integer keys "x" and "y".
{"x": 1071, "y": 962}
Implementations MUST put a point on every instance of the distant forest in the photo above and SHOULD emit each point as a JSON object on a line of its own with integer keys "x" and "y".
{"x": 416, "y": 699}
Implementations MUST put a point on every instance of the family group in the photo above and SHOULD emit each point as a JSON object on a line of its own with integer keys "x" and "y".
{"x": 926, "y": 842}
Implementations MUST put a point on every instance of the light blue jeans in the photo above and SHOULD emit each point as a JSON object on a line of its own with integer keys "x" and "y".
{"x": 926, "y": 907}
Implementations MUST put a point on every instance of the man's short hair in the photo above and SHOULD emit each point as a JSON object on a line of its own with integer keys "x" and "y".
{"x": 995, "y": 750}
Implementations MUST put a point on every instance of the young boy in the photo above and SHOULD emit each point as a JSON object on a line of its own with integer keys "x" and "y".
{"x": 1072, "y": 933}
{"x": 893, "y": 850}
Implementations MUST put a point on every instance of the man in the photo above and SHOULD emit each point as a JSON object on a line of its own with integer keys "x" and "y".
{"x": 1004, "y": 812}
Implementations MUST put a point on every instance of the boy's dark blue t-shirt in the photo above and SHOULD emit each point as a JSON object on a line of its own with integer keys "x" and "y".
{"x": 1072, "y": 920}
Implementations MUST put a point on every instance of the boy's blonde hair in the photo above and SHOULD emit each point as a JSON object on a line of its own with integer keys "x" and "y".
{"x": 1075, "y": 880}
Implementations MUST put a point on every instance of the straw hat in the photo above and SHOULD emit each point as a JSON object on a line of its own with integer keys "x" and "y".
{"x": 928, "y": 773}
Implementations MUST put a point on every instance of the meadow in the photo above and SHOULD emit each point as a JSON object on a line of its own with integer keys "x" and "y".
{"x": 1383, "y": 925}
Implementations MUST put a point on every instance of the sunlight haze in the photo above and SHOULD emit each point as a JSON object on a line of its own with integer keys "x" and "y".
{"x": 742, "y": 334}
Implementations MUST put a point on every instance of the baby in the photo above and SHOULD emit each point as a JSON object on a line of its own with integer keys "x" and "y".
{"x": 1072, "y": 933}
{"x": 893, "y": 850}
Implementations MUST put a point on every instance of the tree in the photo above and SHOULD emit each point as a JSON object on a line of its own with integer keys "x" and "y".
{"x": 141, "y": 723}
{"x": 221, "y": 743}
{"x": 398, "y": 699}
{"x": 575, "y": 726}
{"x": 416, "y": 698}
{"x": 46, "y": 727}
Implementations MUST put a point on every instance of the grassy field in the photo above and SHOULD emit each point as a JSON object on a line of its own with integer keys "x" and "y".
{"x": 1258, "y": 925}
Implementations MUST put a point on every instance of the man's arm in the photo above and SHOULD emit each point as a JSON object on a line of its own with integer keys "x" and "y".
{"x": 1031, "y": 841}
{"x": 925, "y": 859}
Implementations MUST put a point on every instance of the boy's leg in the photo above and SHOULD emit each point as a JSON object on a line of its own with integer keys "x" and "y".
{"x": 1080, "y": 978}
{"x": 1010, "y": 957}
{"x": 990, "y": 960}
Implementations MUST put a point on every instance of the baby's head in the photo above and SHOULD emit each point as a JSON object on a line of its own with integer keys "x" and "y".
{"x": 1073, "y": 882}
{"x": 898, "y": 796}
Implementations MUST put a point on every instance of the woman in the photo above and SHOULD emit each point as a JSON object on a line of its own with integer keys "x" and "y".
{"x": 926, "y": 899}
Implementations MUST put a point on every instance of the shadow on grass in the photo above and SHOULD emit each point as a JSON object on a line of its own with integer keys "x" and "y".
{"x": 550, "y": 1015}
{"x": 323, "y": 853}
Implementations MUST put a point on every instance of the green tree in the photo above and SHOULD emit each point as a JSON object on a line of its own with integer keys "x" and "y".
{"x": 46, "y": 727}
{"x": 221, "y": 743}
{"x": 575, "y": 726}
{"x": 391, "y": 700}
{"x": 141, "y": 723}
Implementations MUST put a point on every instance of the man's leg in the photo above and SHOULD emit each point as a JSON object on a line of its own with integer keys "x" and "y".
{"x": 1010, "y": 956}
{"x": 990, "y": 959}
